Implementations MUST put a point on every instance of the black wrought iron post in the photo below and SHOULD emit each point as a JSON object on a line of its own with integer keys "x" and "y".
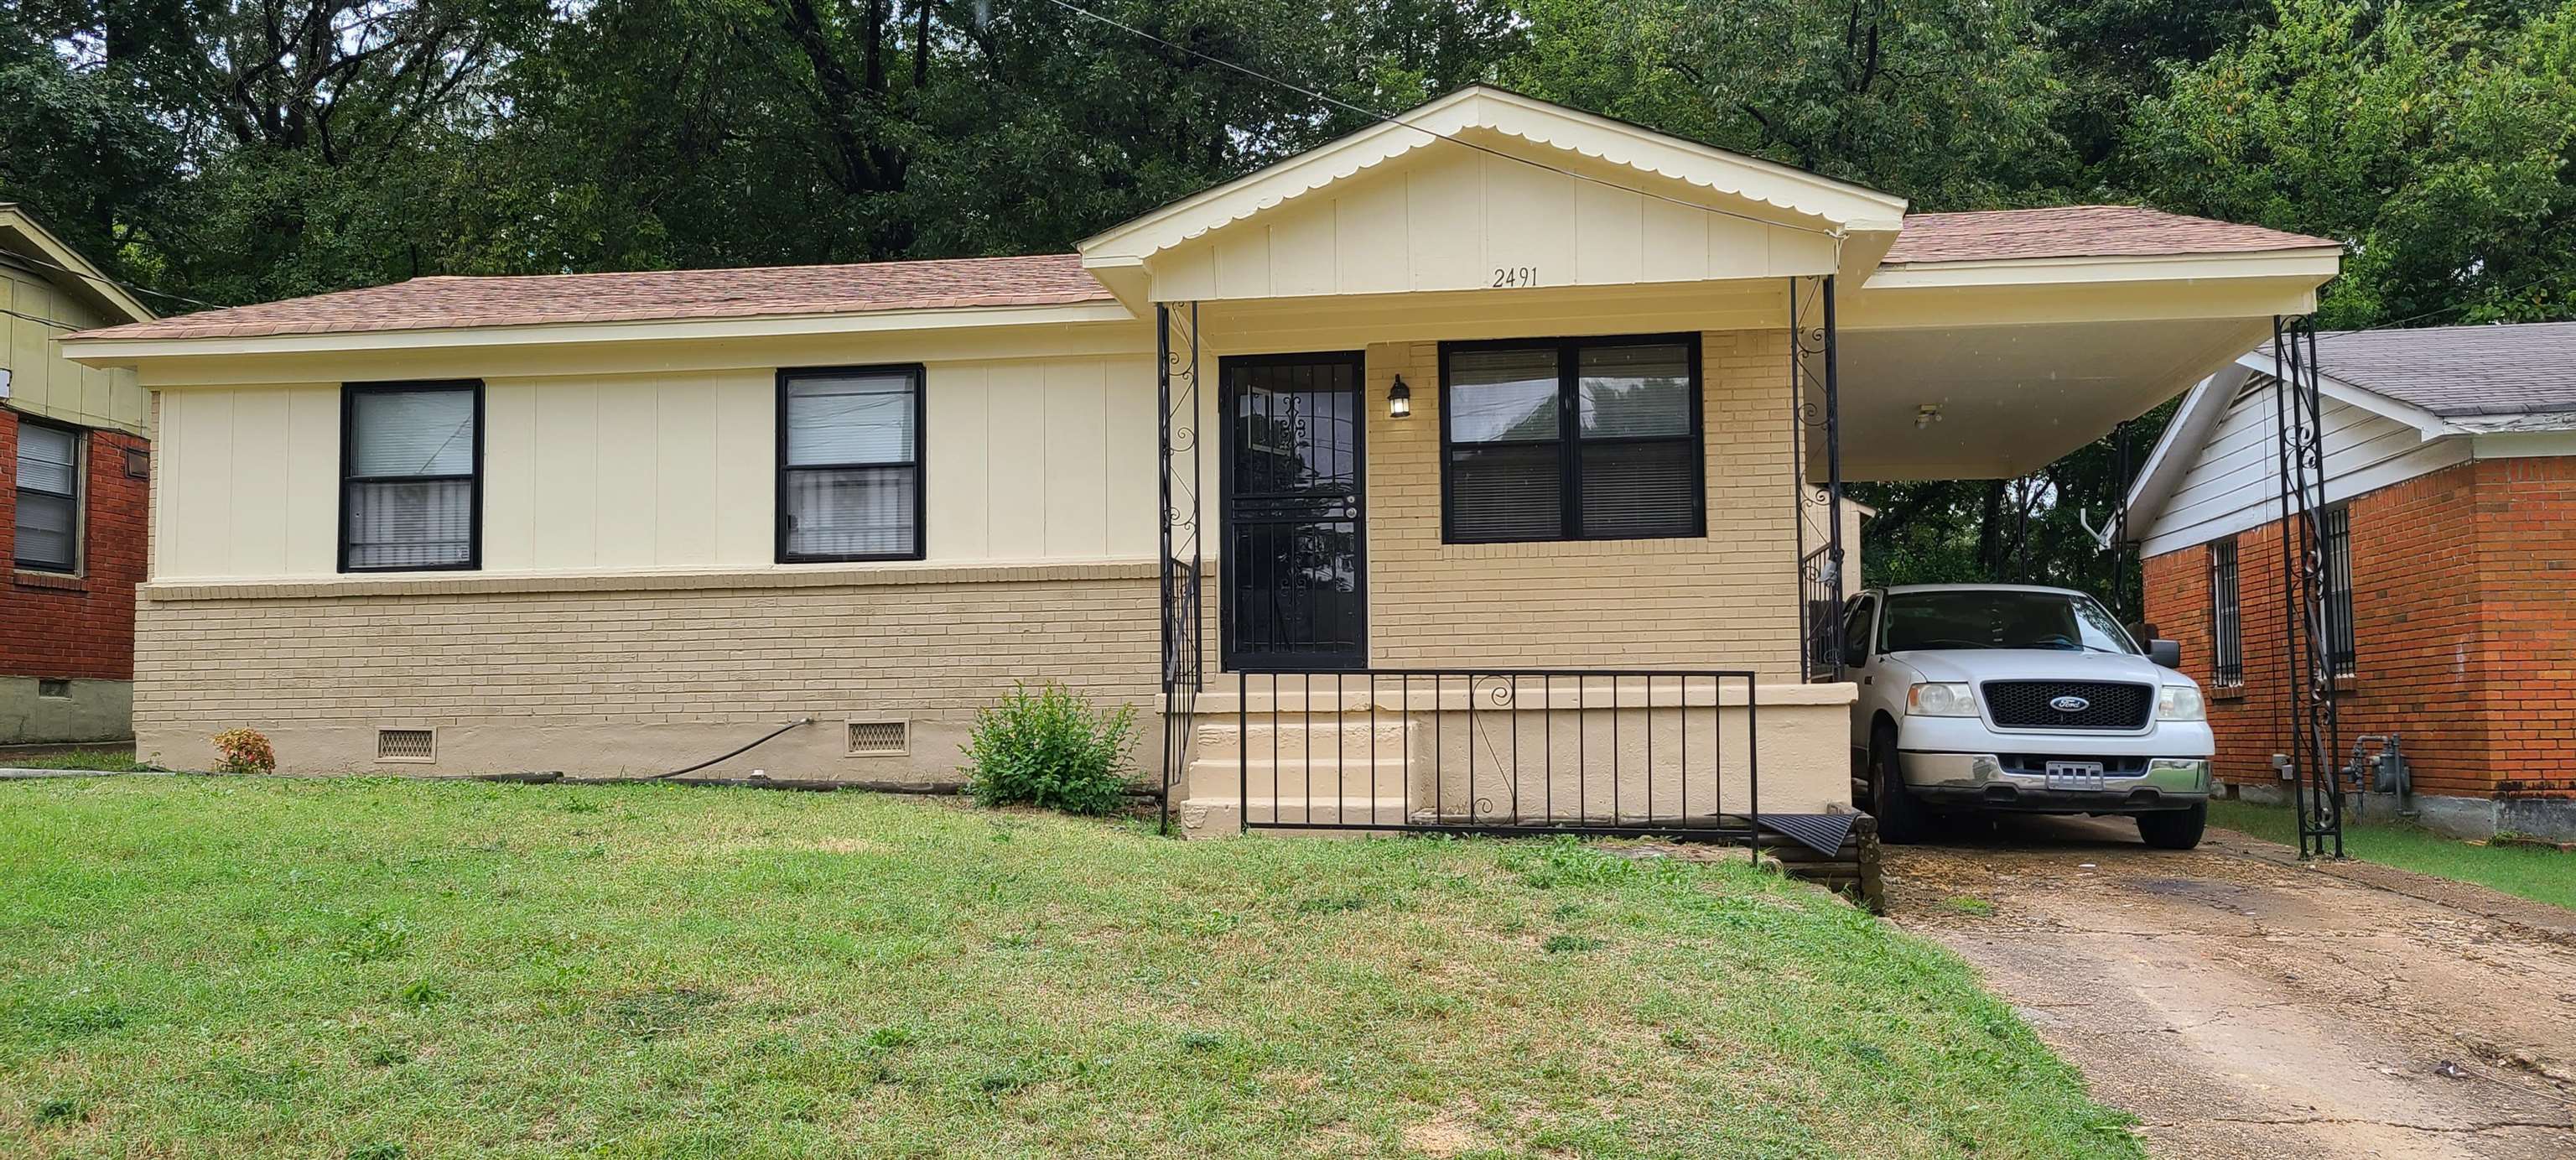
{"x": 1813, "y": 364}
{"x": 2306, "y": 642}
{"x": 1183, "y": 654}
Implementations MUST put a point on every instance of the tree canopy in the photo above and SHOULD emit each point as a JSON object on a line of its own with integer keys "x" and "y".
{"x": 240, "y": 150}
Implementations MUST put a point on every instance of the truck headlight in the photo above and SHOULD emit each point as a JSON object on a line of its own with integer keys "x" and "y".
{"x": 2180, "y": 703}
{"x": 1940, "y": 699}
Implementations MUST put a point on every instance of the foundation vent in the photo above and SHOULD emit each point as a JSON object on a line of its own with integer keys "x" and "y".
{"x": 880, "y": 738}
{"x": 406, "y": 745}
{"x": 53, "y": 687}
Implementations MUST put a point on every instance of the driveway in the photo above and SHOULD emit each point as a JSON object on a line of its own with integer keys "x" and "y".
{"x": 2243, "y": 1005}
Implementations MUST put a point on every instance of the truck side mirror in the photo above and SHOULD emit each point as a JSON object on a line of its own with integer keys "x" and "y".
{"x": 2165, "y": 652}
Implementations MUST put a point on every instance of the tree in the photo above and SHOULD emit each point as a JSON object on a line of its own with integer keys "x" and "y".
{"x": 2435, "y": 142}
{"x": 1949, "y": 105}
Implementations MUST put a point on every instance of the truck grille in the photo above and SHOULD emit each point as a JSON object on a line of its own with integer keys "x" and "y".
{"x": 2107, "y": 705}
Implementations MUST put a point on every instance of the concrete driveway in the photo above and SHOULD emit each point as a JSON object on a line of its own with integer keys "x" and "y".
{"x": 2243, "y": 1005}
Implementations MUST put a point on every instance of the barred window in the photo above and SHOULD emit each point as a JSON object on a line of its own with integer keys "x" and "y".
{"x": 849, "y": 464}
{"x": 2226, "y": 623}
{"x": 411, "y": 476}
{"x": 2340, "y": 651}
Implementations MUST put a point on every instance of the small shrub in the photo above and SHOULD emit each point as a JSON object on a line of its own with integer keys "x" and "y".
{"x": 1050, "y": 748}
{"x": 244, "y": 751}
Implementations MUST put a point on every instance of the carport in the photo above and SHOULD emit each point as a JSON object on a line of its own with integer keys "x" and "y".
{"x": 1937, "y": 367}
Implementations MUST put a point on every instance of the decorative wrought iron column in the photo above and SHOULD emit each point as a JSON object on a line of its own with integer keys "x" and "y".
{"x": 2306, "y": 640}
{"x": 1813, "y": 368}
{"x": 1183, "y": 652}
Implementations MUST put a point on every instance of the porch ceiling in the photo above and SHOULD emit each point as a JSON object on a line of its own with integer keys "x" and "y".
{"x": 2011, "y": 399}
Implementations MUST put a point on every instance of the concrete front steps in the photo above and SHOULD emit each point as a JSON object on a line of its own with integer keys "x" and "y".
{"x": 1324, "y": 762}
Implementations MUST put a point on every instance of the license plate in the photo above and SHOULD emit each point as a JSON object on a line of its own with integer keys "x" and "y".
{"x": 2075, "y": 775}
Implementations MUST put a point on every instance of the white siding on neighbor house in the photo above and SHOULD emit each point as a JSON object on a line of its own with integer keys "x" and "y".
{"x": 1025, "y": 460}
{"x": 2235, "y": 481}
{"x": 1446, "y": 218}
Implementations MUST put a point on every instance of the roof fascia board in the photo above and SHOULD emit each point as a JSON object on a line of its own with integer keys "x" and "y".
{"x": 2318, "y": 262}
{"x": 1911, "y": 307}
{"x": 81, "y": 277}
{"x": 126, "y": 352}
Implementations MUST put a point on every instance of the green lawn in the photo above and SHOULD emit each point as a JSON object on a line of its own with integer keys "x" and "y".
{"x": 2539, "y": 875}
{"x": 109, "y": 760}
{"x": 371, "y": 968}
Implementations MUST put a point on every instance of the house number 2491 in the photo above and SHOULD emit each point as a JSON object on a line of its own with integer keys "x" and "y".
{"x": 1515, "y": 276}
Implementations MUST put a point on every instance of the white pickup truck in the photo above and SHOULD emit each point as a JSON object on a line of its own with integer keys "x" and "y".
{"x": 1977, "y": 697}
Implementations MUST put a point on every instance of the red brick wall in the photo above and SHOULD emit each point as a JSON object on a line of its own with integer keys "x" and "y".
{"x": 2526, "y": 518}
{"x": 57, "y": 627}
{"x": 2461, "y": 602}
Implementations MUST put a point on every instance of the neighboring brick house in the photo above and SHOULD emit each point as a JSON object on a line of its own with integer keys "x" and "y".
{"x": 75, "y": 447}
{"x": 2451, "y": 485}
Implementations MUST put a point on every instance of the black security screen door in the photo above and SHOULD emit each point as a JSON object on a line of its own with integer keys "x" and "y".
{"x": 1296, "y": 579}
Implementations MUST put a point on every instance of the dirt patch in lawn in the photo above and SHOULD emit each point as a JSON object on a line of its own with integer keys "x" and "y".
{"x": 2244, "y": 1005}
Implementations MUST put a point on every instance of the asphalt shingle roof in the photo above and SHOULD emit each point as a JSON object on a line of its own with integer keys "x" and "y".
{"x": 443, "y": 303}
{"x": 2080, "y": 231}
{"x": 2461, "y": 371}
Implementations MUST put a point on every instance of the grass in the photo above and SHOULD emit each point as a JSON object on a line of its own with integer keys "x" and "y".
{"x": 2540, "y": 875}
{"x": 378, "y": 968}
{"x": 102, "y": 760}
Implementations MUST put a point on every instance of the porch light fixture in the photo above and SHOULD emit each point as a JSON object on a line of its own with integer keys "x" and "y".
{"x": 1399, "y": 399}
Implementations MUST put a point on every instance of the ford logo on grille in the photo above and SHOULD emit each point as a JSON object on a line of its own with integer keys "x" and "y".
{"x": 2069, "y": 704}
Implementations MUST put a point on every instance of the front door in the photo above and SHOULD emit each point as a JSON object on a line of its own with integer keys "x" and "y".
{"x": 1295, "y": 557}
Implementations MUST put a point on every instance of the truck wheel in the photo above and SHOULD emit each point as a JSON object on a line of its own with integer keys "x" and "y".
{"x": 2174, "y": 829}
{"x": 1900, "y": 818}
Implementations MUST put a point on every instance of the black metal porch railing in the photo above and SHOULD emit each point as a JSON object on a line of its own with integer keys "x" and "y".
{"x": 1620, "y": 753}
{"x": 1820, "y": 606}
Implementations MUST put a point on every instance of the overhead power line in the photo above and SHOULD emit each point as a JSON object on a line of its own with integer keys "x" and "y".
{"x": 128, "y": 287}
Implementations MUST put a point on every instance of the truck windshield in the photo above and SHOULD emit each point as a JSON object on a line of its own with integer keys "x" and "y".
{"x": 2000, "y": 619}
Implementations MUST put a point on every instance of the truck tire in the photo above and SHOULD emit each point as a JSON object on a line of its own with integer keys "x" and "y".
{"x": 1900, "y": 817}
{"x": 2174, "y": 829}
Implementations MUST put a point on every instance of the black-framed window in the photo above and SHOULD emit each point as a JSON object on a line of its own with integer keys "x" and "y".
{"x": 2226, "y": 616}
{"x": 1571, "y": 439}
{"x": 849, "y": 464}
{"x": 48, "y": 524}
{"x": 2340, "y": 651}
{"x": 411, "y": 476}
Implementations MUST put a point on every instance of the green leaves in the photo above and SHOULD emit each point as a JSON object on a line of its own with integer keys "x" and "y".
{"x": 1050, "y": 748}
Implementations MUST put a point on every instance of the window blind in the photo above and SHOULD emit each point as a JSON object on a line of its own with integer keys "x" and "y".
{"x": 48, "y": 520}
{"x": 409, "y": 491}
{"x": 849, "y": 465}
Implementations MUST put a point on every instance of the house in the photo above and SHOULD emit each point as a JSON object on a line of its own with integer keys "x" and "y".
{"x": 76, "y": 443}
{"x": 1517, "y": 418}
{"x": 2450, "y": 459}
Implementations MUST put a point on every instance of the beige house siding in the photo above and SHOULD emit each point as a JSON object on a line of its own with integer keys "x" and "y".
{"x": 1727, "y": 600}
{"x": 632, "y": 675}
{"x": 1028, "y": 460}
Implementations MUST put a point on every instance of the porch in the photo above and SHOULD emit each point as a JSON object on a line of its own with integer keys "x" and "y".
{"x": 1529, "y": 405}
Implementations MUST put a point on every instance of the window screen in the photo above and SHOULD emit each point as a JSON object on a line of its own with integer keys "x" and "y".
{"x": 1573, "y": 439}
{"x": 849, "y": 474}
{"x": 48, "y": 522}
{"x": 411, "y": 476}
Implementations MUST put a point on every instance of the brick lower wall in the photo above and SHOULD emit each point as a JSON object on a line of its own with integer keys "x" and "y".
{"x": 1725, "y": 600}
{"x": 623, "y": 675}
{"x": 77, "y": 626}
{"x": 2461, "y": 617}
